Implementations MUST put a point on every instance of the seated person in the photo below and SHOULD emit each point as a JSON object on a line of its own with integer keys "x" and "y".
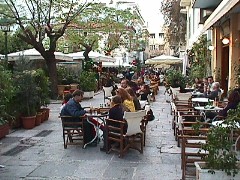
{"x": 127, "y": 100}
{"x": 66, "y": 98}
{"x": 74, "y": 108}
{"x": 135, "y": 99}
{"x": 116, "y": 112}
{"x": 214, "y": 94}
{"x": 124, "y": 83}
{"x": 233, "y": 101}
{"x": 143, "y": 92}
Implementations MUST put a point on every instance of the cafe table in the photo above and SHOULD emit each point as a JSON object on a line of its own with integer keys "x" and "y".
{"x": 98, "y": 117}
{"x": 201, "y": 100}
{"x": 211, "y": 108}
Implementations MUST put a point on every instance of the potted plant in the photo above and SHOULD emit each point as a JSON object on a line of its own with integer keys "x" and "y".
{"x": 43, "y": 91}
{"x": 26, "y": 97}
{"x": 175, "y": 79}
{"x": 221, "y": 161}
{"x": 87, "y": 83}
{"x": 7, "y": 92}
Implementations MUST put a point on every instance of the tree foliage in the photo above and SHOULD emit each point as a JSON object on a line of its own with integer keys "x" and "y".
{"x": 45, "y": 19}
{"x": 174, "y": 23}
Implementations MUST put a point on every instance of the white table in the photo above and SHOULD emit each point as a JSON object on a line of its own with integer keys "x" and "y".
{"x": 202, "y": 108}
{"x": 201, "y": 100}
{"x": 217, "y": 123}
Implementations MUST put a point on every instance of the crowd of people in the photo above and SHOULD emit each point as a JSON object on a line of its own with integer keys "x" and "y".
{"x": 126, "y": 97}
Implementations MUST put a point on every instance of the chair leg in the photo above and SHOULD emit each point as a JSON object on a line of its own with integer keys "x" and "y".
{"x": 64, "y": 140}
{"x": 141, "y": 136}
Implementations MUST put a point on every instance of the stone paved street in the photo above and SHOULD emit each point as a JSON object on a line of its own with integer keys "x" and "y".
{"x": 45, "y": 157}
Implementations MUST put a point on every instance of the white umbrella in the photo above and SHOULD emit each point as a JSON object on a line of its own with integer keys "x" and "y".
{"x": 33, "y": 54}
{"x": 164, "y": 59}
{"x": 97, "y": 57}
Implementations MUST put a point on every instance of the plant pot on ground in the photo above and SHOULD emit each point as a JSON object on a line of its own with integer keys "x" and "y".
{"x": 87, "y": 83}
{"x": 27, "y": 96}
{"x": 8, "y": 92}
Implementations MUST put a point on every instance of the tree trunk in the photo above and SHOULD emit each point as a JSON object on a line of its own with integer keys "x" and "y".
{"x": 52, "y": 70}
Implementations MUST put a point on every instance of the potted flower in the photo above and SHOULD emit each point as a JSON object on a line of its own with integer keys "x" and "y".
{"x": 221, "y": 161}
{"x": 7, "y": 92}
{"x": 26, "y": 97}
{"x": 87, "y": 83}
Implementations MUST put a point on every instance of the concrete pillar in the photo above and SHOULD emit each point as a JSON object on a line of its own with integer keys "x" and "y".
{"x": 217, "y": 52}
{"x": 233, "y": 50}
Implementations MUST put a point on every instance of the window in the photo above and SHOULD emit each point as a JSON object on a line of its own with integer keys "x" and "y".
{"x": 161, "y": 35}
{"x": 152, "y": 36}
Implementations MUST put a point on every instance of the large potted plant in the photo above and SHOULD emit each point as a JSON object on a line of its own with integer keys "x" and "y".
{"x": 87, "y": 83}
{"x": 27, "y": 97}
{"x": 43, "y": 91}
{"x": 7, "y": 90}
{"x": 221, "y": 161}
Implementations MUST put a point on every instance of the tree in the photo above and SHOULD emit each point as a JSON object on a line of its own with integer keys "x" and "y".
{"x": 98, "y": 22}
{"x": 14, "y": 43}
{"x": 44, "y": 19}
{"x": 174, "y": 23}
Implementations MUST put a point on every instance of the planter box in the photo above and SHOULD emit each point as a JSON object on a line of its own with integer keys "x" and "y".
{"x": 203, "y": 174}
{"x": 4, "y": 130}
{"x": 88, "y": 95}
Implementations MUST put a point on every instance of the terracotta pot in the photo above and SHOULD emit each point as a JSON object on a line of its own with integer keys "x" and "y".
{"x": 47, "y": 112}
{"x": 28, "y": 122}
{"x": 43, "y": 111}
{"x": 38, "y": 118}
{"x": 4, "y": 130}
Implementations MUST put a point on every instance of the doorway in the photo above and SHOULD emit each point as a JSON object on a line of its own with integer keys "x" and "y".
{"x": 225, "y": 69}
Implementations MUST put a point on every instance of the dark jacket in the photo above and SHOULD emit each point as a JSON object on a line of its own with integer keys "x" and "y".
{"x": 213, "y": 95}
{"x": 230, "y": 105}
{"x": 116, "y": 112}
{"x": 136, "y": 104}
{"x": 72, "y": 108}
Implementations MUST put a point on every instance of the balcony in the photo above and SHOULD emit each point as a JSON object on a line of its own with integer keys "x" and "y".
{"x": 203, "y": 4}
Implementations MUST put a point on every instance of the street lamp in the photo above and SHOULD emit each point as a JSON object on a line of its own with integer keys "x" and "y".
{"x": 5, "y": 27}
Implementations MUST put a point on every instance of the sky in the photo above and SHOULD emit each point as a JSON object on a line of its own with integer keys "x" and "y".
{"x": 150, "y": 10}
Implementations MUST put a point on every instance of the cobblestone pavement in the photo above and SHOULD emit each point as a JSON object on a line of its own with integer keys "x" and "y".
{"x": 39, "y": 157}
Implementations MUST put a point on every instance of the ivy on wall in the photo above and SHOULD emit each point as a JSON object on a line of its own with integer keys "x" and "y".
{"x": 199, "y": 58}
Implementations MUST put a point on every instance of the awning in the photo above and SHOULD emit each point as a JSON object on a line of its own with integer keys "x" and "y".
{"x": 224, "y": 7}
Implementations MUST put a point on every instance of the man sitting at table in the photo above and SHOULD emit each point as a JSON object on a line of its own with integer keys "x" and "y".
{"x": 233, "y": 101}
{"x": 214, "y": 94}
{"x": 74, "y": 108}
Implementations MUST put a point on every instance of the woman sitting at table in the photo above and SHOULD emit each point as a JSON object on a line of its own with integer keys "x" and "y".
{"x": 135, "y": 99}
{"x": 143, "y": 92}
{"x": 116, "y": 112}
{"x": 127, "y": 100}
{"x": 233, "y": 101}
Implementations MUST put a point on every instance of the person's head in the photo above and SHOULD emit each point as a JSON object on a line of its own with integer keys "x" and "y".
{"x": 145, "y": 88}
{"x": 124, "y": 83}
{"x": 215, "y": 86}
{"x": 196, "y": 80}
{"x": 205, "y": 80}
{"x": 116, "y": 100}
{"x": 130, "y": 91}
{"x": 67, "y": 97}
{"x": 78, "y": 95}
{"x": 124, "y": 94}
{"x": 234, "y": 96}
{"x": 210, "y": 79}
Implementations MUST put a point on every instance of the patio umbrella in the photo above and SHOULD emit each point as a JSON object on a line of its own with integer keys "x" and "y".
{"x": 164, "y": 59}
{"x": 33, "y": 54}
{"x": 97, "y": 57}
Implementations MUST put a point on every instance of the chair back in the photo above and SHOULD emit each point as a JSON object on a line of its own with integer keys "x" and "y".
{"x": 107, "y": 91}
{"x": 134, "y": 120}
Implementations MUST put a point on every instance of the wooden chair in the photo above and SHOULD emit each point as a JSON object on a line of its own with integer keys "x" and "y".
{"x": 107, "y": 92}
{"x": 191, "y": 152}
{"x": 73, "y": 132}
{"x": 132, "y": 138}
